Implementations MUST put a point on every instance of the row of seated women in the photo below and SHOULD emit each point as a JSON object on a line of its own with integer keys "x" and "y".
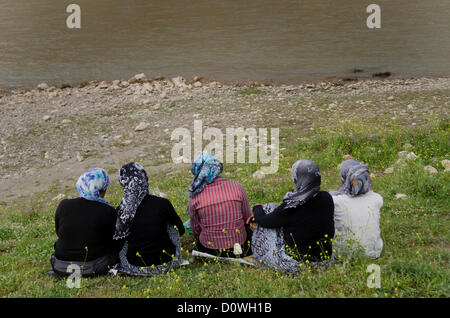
{"x": 142, "y": 235}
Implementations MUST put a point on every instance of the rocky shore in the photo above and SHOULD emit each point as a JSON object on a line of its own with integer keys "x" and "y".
{"x": 50, "y": 134}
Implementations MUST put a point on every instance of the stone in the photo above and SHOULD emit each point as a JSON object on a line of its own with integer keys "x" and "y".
{"x": 79, "y": 157}
{"x": 157, "y": 106}
{"x": 197, "y": 84}
{"x": 402, "y": 154}
{"x": 178, "y": 81}
{"x": 389, "y": 170}
{"x": 401, "y": 196}
{"x": 258, "y": 175}
{"x": 446, "y": 164}
{"x": 127, "y": 142}
{"x": 66, "y": 121}
{"x": 59, "y": 197}
{"x": 430, "y": 169}
{"x": 390, "y": 98}
{"x": 46, "y": 118}
{"x": 407, "y": 146}
{"x": 42, "y": 86}
{"x": 142, "y": 126}
{"x": 411, "y": 156}
{"x": 138, "y": 78}
{"x": 347, "y": 157}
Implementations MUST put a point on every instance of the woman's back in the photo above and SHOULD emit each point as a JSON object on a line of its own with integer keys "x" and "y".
{"x": 304, "y": 226}
{"x": 218, "y": 214}
{"x": 81, "y": 223}
{"x": 358, "y": 218}
{"x": 148, "y": 232}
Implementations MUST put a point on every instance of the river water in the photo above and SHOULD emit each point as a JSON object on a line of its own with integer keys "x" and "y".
{"x": 226, "y": 40}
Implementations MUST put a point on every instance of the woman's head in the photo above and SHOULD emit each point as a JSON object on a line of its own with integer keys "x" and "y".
{"x": 306, "y": 177}
{"x": 355, "y": 176}
{"x": 305, "y": 172}
{"x": 132, "y": 175}
{"x": 92, "y": 184}
{"x": 205, "y": 168}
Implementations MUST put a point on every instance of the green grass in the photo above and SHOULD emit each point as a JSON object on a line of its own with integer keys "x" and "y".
{"x": 414, "y": 262}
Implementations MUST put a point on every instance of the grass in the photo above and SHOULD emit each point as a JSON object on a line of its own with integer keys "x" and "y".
{"x": 414, "y": 262}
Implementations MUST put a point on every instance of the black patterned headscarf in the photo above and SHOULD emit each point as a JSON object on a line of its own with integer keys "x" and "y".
{"x": 306, "y": 177}
{"x": 134, "y": 181}
{"x": 356, "y": 178}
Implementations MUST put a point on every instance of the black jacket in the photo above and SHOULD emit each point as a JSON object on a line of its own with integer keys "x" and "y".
{"x": 85, "y": 229}
{"x": 303, "y": 226}
{"x": 148, "y": 232}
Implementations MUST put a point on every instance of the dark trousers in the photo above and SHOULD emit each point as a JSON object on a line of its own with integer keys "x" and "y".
{"x": 97, "y": 267}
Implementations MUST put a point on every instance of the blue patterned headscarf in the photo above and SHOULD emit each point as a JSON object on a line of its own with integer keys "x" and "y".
{"x": 355, "y": 177}
{"x": 205, "y": 169}
{"x": 90, "y": 184}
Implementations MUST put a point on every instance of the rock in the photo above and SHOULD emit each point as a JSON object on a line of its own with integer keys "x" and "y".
{"x": 258, "y": 175}
{"x": 127, "y": 142}
{"x": 103, "y": 85}
{"x": 446, "y": 164}
{"x": 179, "y": 81}
{"x": 390, "y": 98}
{"x": 142, "y": 126}
{"x": 197, "y": 84}
{"x": 411, "y": 156}
{"x": 65, "y": 85}
{"x": 117, "y": 137}
{"x": 66, "y": 121}
{"x": 116, "y": 82}
{"x": 59, "y": 197}
{"x": 430, "y": 169}
{"x": 389, "y": 170}
{"x": 79, "y": 157}
{"x": 42, "y": 86}
{"x": 124, "y": 84}
{"x": 138, "y": 78}
{"x": 47, "y": 155}
{"x": 402, "y": 154}
{"x": 157, "y": 106}
{"x": 407, "y": 146}
{"x": 46, "y": 117}
{"x": 401, "y": 196}
{"x": 196, "y": 78}
{"x": 347, "y": 157}
{"x": 410, "y": 106}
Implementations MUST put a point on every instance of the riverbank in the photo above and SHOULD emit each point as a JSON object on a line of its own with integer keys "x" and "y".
{"x": 51, "y": 134}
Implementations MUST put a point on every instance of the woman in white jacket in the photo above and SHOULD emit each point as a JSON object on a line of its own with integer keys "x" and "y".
{"x": 357, "y": 211}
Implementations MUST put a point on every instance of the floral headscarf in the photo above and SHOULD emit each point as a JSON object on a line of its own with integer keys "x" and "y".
{"x": 355, "y": 177}
{"x": 134, "y": 181}
{"x": 205, "y": 168}
{"x": 306, "y": 177}
{"x": 91, "y": 183}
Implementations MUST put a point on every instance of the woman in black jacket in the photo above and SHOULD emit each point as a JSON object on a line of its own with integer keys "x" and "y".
{"x": 304, "y": 223}
{"x": 148, "y": 226}
{"x": 85, "y": 227}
